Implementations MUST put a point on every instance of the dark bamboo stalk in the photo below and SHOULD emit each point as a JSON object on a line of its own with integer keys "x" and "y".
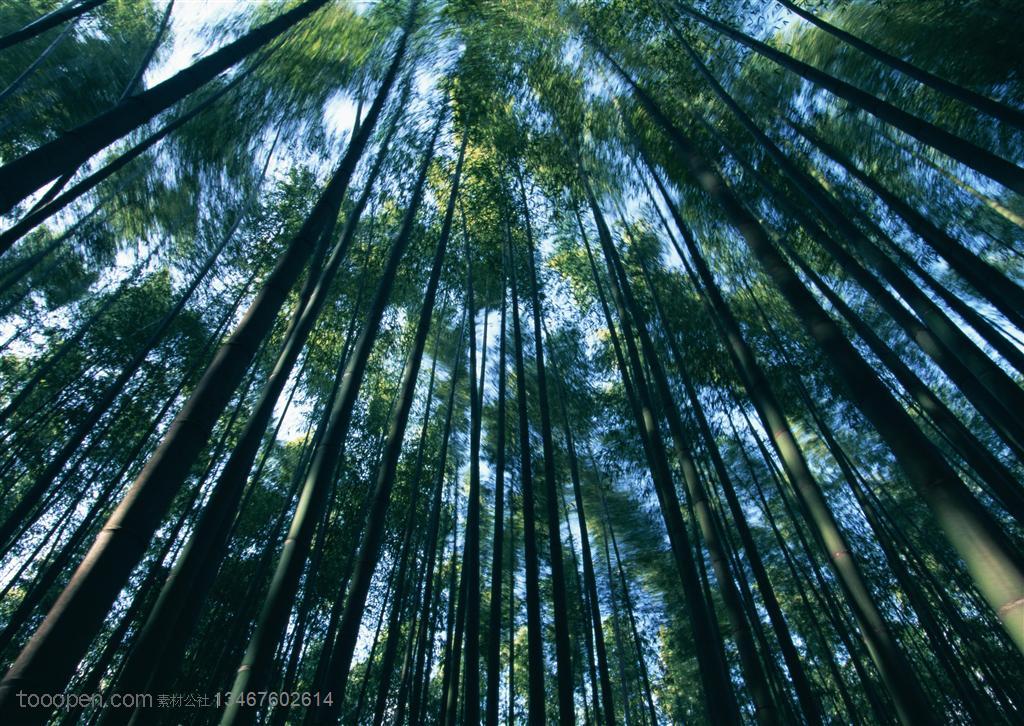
{"x": 753, "y": 673}
{"x": 22, "y": 176}
{"x": 970, "y": 528}
{"x": 996, "y": 109}
{"x": 805, "y": 694}
{"x": 718, "y": 697}
{"x": 369, "y": 547}
{"x": 589, "y": 579}
{"x": 981, "y": 160}
{"x": 497, "y": 554}
{"x": 69, "y": 11}
{"x": 563, "y": 650}
{"x": 535, "y": 652}
{"x": 421, "y": 670}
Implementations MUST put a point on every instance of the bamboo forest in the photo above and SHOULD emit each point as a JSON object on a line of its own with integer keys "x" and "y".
{"x": 511, "y": 361}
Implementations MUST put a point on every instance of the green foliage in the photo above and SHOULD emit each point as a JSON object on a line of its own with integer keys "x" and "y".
{"x": 543, "y": 95}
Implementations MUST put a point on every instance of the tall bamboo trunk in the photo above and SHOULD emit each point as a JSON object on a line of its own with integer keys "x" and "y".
{"x": 399, "y": 608}
{"x": 208, "y": 544}
{"x": 981, "y": 160}
{"x": 718, "y": 698}
{"x": 22, "y": 176}
{"x": 497, "y": 555}
{"x": 885, "y": 651}
{"x": 14, "y": 86}
{"x": 609, "y": 536}
{"x": 563, "y": 650}
{"x": 471, "y": 553}
{"x": 583, "y": 618}
{"x": 855, "y": 481}
{"x": 797, "y": 577}
{"x": 424, "y": 640}
{"x": 369, "y": 546}
{"x": 193, "y": 577}
{"x": 72, "y": 343}
{"x": 129, "y": 89}
{"x": 407, "y": 552}
{"x": 48, "y": 659}
{"x": 753, "y": 674}
{"x": 816, "y": 584}
{"x": 253, "y": 672}
{"x": 386, "y": 602}
{"x": 805, "y": 695}
{"x": 973, "y": 367}
{"x": 405, "y": 674}
{"x": 972, "y": 700}
{"x": 1003, "y": 293}
{"x": 454, "y": 644}
{"x": 43, "y": 483}
{"x": 589, "y": 579}
{"x": 620, "y": 648}
{"x": 627, "y": 384}
{"x": 453, "y": 637}
{"x": 996, "y": 109}
{"x": 16, "y": 272}
{"x": 511, "y": 695}
{"x": 1004, "y": 421}
{"x": 534, "y": 634}
{"x": 51, "y": 572}
{"x": 974, "y": 533}
{"x": 335, "y": 611}
{"x": 994, "y": 473}
{"x": 44, "y": 210}
{"x": 69, "y": 11}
